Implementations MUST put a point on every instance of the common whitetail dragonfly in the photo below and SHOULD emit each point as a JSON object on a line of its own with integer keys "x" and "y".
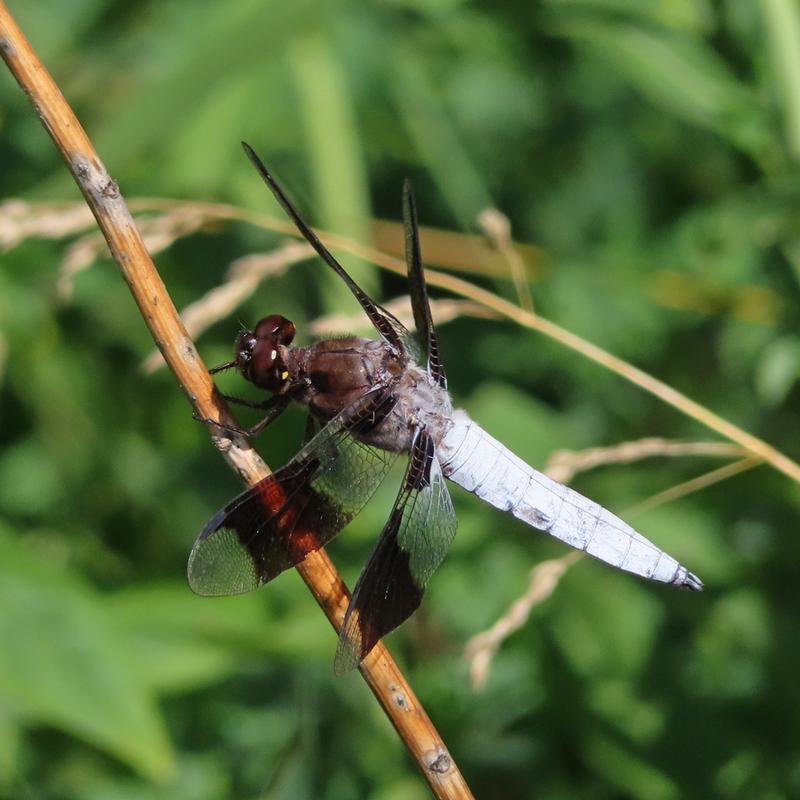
{"x": 375, "y": 399}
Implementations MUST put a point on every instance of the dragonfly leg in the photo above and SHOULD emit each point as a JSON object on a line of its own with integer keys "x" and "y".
{"x": 240, "y": 401}
{"x": 274, "y": 407}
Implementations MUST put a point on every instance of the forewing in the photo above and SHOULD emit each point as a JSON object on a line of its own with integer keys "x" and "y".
{"x": 387, "y": 325}
{"x": 297, "y": 509}
{"x": 418, "y": 289}
{"x": 410, "y": 548}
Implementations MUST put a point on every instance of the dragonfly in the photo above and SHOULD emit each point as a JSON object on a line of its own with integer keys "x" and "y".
{"x": 369, "y": 402}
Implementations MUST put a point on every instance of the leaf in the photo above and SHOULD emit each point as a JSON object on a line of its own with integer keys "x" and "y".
{"x": 681, "y": 74}
{"x": 63, "y": 664}
{"x": 529, "y": 427}
{"x": 422, "y": 112}
{"x": 619, "y": 702}
{"x": 326, "y": 106}
{"x": 199, "y": 777}
{"x": 9, "y": 748}
{"x": 182, "y": 641}
{"x": 625, "y": 769}
{"x": 731, "y": 646}
{"x": 693, "y": 537}
{"x": 29, "y": 480}
{"x": 688, "y": 15}
{"x": 778, "y": 369}
{"x": 782, "y": 27}
{"x": 607, "y": 625}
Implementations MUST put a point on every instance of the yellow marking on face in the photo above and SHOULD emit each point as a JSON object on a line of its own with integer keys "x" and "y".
{"x": 284, "y": 375}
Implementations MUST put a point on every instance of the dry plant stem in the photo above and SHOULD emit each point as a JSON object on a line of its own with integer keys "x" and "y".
{"x": 563, "y": 465}
{"x": 498, "y": 228}
{"x": 673, "y": 397}
{"x": 545, "y": 577}
{"x": 126, "y": 246}
{"x": 442, "y": 311}
{"x": 694, "y": 485}
{"x": 244, "y": 276}
{"x": 530, "y": 319}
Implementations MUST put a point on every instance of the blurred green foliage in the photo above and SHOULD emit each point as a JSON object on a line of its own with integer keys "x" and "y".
{"x": 650, "y": 149}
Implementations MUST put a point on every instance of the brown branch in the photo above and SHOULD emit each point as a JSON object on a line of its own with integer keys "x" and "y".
{"x": 128, "y": 250}
{"x": 244, "y": 276}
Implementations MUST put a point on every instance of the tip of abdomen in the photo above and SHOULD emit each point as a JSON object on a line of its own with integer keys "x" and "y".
{"x": 687, "y": 580}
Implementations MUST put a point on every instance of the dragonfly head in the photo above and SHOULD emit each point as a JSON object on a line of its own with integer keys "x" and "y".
{"x": 257, "y": 353}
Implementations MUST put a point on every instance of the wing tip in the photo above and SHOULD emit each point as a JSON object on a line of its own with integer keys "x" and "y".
{"x": 212, "y": 572}
{"x": 348, "y": 656}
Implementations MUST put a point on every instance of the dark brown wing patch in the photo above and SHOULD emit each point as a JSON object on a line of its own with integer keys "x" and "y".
{"x": 299, "y": 508}
{"x": 412, "y": 544}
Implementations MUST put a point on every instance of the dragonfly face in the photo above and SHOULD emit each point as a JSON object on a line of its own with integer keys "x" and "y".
{"x": 372, "y": 401}
{"x": 260, "y": 356}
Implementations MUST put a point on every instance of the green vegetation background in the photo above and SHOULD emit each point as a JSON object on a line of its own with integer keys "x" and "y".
{"x": 650, "y": 149}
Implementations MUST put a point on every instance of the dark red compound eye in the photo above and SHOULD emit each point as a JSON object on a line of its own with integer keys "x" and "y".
{"x": 259, "y": 357}
{"x": 275, "y": 328}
